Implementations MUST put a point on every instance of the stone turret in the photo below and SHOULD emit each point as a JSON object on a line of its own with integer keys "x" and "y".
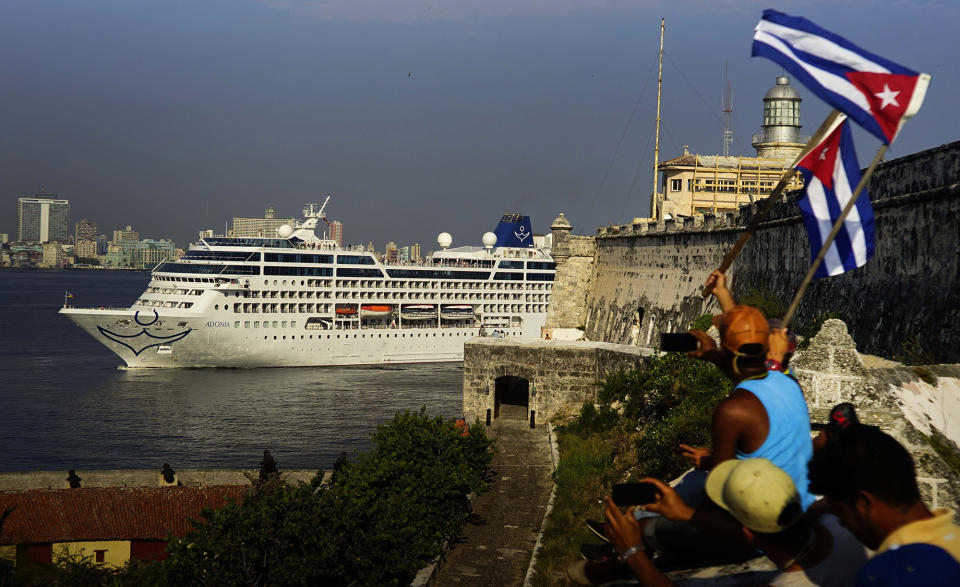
{"x": 561, "y": 228}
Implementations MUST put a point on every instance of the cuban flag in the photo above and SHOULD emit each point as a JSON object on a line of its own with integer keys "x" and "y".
{"x": 830, "y": 175}
{"x": 879, "y": 94}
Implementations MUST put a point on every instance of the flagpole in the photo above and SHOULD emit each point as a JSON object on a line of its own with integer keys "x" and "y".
{"x": 833, "y": 234}
{"x": 761, "y": 214}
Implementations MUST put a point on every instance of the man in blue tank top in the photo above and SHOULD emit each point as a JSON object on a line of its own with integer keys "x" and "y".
{"x": 765, "y": 416}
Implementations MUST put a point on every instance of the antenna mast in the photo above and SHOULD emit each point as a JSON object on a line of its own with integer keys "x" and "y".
{"x": 727, "y": 110}
{"x": 654, "y": 198}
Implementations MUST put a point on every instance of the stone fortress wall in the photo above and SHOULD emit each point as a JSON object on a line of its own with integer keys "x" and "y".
{"x": 632, "y": 282}
{"x": 645, "y": 278}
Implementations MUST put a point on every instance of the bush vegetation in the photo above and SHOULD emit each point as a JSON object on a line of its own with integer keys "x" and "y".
{"x": 376, "y": 522}
{"x": 632, "y": 432}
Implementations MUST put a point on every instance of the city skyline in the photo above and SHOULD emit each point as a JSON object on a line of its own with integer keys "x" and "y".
{"x": 417, "y": 119}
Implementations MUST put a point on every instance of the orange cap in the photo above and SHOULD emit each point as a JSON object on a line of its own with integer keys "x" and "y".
{"x": 742, "y": 325}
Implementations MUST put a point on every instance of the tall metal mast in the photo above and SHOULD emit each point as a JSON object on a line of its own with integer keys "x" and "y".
{"x": 654, "y": 213}
{"x": 727, "y": 110}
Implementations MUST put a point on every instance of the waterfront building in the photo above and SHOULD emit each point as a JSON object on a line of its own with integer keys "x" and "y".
{"x": 403, "y": 254}
{"x": 42, "y": 218}
{"x": 53, "y": 256}
{"x": 715, "y": 184}
{"x": 415, "y": 252}
{"x": 149, "y": 253}
{"x": 140, "y": 254}
{"x": 266, "y": 227}
{"x": 336, "y": 232}
{"x": 125, "y": 234}
{"x": 85, "y": 249}
{"x": 26, "y": 254}
{"x": 85, "y": 230}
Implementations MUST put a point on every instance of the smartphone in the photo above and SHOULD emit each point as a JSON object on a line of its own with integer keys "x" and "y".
{"x": 634, "y": 493}
{"x": 678, "y": 341}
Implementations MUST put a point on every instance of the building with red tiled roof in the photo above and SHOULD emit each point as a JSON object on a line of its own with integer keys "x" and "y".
{"x": 109, "y": 524}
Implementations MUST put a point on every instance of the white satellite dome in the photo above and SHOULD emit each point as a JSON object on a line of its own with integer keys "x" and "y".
{"x": 489, "y": 239}
{"x": 284, "y": 231}
{"x": 444, "y": 240}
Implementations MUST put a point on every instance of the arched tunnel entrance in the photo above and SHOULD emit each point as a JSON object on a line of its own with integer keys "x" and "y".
{"x": 511, "y": 397}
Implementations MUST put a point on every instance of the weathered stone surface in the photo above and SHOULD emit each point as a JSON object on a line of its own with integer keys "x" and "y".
{"x": 141, "y": 478}
{"x": 561, "y": 375}
{"x": 497, "y": 543}
{"x": 911, "y": 288}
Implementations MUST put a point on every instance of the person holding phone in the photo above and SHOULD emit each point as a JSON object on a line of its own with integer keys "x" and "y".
{"x": 765, "y": 416}
{"x": 766, "y": 506}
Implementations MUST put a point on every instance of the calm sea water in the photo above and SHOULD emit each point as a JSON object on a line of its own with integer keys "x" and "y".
{"x": 66, "y": 402}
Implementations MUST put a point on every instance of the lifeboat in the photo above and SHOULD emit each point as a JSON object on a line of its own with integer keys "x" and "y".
{"x": 418, "y": 312}
{"x": 346, "y": 310}
{"x": 375, "y": 310}
{"x": 456, "y": 311}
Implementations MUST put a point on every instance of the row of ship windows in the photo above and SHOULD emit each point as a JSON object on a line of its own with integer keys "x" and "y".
{"x": 173, "y": 267}
{"x": 313, "y": 258}
{"x": 401, "y": 296}
{"x": 162, "y": 304}
{"x": 320, "y": 308}
{"x": 354, "y": 284}
{"x": 293, "y": 324}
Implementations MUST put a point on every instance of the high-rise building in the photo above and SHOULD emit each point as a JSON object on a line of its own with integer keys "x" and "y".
{"x": 403, "y": 254}
{"x": 85, "y": 230}
{"x": 265, "y": 227}
{"x": 415, "y": 252}
{"x": 391, "y": 253}
{"x": 125, "y": 234}
{"x": 43, "y": 218}
{"x": 336, "y": 232}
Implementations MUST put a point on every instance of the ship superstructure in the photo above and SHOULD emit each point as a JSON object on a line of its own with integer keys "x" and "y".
{"x": 301, "y": 300}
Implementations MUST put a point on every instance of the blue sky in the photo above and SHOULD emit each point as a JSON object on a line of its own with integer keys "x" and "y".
{"x": 417, "y": 117}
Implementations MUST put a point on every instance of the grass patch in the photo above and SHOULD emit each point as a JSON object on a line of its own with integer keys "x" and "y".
{"x": 947, "y": 450}
{"x": 590, "y": 462}
{"x": 633, "y": 432}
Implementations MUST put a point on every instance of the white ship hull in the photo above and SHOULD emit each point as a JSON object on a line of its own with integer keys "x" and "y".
{"x": 213, "y": 343}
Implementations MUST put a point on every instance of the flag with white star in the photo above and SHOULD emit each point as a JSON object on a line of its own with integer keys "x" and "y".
{"x": 875, "y": 92}
{"x": 830, "y": 176}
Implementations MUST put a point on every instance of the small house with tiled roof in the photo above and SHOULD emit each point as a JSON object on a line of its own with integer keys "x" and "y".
{"x": 109, "y": 524}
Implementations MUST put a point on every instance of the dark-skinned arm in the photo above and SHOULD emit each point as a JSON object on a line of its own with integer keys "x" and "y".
{"x": 624, "y": 532}
{"x": 731, "y": 419}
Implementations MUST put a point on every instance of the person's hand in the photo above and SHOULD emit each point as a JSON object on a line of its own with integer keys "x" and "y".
{"x": 668, "y": 502}
{"x": 699, "y": 456}
{"x": 716, "y": 281}
{"x": 623, "y": 530}
{"x": 708, "y": 347}
{"x": 778, "y": 345}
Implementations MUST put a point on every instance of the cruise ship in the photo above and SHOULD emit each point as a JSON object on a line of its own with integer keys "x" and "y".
{"x": 301, "y": 300}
